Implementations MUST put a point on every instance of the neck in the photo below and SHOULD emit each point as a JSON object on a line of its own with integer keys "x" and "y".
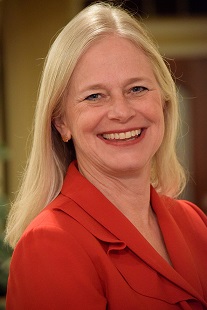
{"x": 130, "y": 193}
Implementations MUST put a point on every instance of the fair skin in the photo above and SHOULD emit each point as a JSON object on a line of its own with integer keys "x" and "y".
{"x": 114, "y": 114}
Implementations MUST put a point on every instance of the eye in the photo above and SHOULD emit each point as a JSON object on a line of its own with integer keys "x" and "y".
{"x": 93, "y": 97}
{"x": 138, "y": 89}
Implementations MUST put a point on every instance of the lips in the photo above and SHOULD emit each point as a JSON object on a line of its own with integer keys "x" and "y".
{"x": 132, "y": 134}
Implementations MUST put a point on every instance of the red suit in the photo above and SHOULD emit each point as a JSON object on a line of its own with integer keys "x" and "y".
{"x": 82, "y": 253}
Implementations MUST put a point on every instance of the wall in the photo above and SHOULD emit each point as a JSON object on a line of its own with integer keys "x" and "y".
{"x": 28, "y": 29}
{"x": 184, "y": 42}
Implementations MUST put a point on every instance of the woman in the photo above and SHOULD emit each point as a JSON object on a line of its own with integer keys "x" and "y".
{"x": 97, "y": 218}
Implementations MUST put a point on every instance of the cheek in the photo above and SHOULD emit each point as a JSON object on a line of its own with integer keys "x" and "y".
{"x": 160, "y": 120}
{"x": 73, "y": 119}
{"x": 152, "y": 106}
{"x": 157, "y": 111}
{"x": 154, "y": 113}
{"x": 81, "y": 126}
{"x": 89, "y": 120}
{"x": 156, "y": 118}
{"x": 160, "y": 128}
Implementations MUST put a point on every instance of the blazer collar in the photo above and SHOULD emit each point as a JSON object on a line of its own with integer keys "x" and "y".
{"x": 98, "y": 215}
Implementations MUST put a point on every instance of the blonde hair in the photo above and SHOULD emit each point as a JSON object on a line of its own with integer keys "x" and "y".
{"x": 50, "y": 157}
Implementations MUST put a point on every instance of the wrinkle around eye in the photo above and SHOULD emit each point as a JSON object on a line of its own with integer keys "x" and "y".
{"x": 93, "y": 97}
{"x": 139, "y": 89}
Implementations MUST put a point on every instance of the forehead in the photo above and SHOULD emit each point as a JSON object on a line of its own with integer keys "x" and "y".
{"x": 110, "y": 55}
{"x": 109, "y": 45}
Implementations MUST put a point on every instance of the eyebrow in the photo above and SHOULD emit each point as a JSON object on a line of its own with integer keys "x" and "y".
{"x": 127, "y": 82}
{"x": 138, "y": 79}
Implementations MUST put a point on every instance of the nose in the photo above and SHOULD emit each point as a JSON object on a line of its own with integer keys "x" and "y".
{"x": 120, "y": 109}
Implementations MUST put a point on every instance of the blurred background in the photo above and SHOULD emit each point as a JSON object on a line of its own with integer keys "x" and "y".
{"x": 27, "y": 29}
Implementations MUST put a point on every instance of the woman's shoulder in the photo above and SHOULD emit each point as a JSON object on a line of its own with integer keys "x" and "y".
{"x": 51, "y": 224}
{"x": 185, "y": 212}
{"x": 51, "y": 237}
{"x": 50, "y": 216}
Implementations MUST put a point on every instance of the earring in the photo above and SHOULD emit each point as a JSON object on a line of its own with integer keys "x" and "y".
{"x": 65, "y": 139}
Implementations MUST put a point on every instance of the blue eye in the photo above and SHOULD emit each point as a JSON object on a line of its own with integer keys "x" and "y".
{"x": 93, "y": 97}
{"x": 138, "y": 89}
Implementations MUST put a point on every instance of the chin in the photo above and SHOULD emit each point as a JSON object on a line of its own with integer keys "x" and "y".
{"x": 128, "y": 168}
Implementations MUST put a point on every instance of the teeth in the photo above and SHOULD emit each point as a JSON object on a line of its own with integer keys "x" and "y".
{"x": 122, "y": 135}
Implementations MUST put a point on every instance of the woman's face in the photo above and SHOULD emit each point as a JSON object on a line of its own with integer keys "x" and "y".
{"x": 114, "y": 109}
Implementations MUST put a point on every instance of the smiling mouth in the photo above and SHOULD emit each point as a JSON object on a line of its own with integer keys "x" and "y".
{"x": 128, "y": 135}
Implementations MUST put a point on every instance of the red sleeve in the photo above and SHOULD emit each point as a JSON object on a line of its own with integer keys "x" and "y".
{"x": 51, "y": 270}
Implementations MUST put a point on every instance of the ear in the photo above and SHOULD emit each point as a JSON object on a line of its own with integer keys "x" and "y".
{"x": 62, "y": 127}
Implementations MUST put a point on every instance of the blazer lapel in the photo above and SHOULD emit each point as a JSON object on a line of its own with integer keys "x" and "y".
{"x": 108, "y": 224}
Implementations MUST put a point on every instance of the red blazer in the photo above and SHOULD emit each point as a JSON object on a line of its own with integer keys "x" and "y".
{"x": 82, "y": 253}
